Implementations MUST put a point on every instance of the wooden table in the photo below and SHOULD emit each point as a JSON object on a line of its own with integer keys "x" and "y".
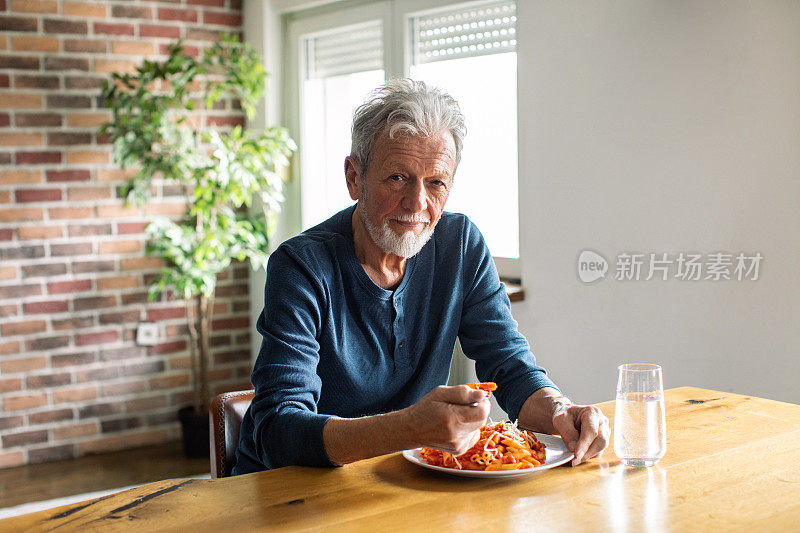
{"x": 731, "y": 464}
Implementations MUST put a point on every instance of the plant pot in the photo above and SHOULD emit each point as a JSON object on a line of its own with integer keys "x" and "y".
{"x": 195, "y": 432}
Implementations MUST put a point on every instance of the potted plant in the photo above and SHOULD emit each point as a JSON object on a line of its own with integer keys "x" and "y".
{"x": 223, "y": 176}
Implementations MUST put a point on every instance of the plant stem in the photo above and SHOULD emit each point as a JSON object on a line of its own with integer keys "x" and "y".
{"x": 205, "y": 348}
{"x": 195, "y": 348}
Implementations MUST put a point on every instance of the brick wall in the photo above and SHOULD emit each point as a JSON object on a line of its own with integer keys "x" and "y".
{"x": 73, "y": 275}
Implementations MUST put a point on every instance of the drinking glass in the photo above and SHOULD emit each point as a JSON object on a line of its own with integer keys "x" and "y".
{"x": 640, "y": 426}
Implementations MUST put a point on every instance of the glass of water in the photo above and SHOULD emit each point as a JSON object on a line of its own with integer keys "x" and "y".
{"x": 640, "y": 426}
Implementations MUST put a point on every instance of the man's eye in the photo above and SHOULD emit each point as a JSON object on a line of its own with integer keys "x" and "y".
{"x": 396, "y": 177}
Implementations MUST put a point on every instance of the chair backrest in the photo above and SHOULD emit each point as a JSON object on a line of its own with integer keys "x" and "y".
{"x": 225, "y": 419}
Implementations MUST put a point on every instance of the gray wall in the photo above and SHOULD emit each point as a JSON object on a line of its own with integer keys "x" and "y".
{"x": 661, "y": 126}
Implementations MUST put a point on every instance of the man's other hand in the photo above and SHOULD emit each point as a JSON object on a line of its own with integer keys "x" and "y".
{"x": 584, "y": 429}
{"x": 448, "y": 418}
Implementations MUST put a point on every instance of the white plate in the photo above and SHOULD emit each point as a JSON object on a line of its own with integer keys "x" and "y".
{"x": 556, "y": 453}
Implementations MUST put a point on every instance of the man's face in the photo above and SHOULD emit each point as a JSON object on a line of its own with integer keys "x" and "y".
{"x": 403, "y": 193}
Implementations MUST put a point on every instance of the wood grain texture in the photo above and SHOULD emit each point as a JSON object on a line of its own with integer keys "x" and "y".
{"x": 730, "y": 465}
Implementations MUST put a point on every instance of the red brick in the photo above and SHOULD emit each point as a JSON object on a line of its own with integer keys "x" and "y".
{"x": 70, "y": 249}
{"x": 26, "y": 401}
{"x": 39, "y": 232}
{"x": 89, "y": 193}
{"x": 49, "y": 380}
{"x": 71, "y": 432}
{"x": 8, "y": 272}
{"x": 9, "y": 347}
{"x": 6, "y": 234}
{"x": 36, "y": 158}
{"x": 88, "y": 120}
{"x": 65, "y": 26}
{"x": 140, "y": 263}
{"x": 22, "y": 252}
{"x": 119, "y": 247}
{"x": 52, "y": 306}
{"x": 226, "y": 19}
{"x": 225, "y": 121}
{"x": 134, "y": 12}
{"x": 121, "y": 317}
{"x": 5, "y": 118}
{"x": 167, "y": 32}
{"x": 68, "y": 138}
{"x": 133, "y": 48}
{"x": 117, "y": 211}
{"x": 12, "y": 459}
{"x": 186, "y": 15}
{"x": 70, "y": 212}
{"x": 34, "y": 44}
{"x": 92, "y": 267}
{"x": 21, "y": 139}
{"x": 46, "y": 343}
{"x": 51, "y": 453}
{"x": 85, "y": 9}
{"x": 82, "y": 230}
{"x": 68, "y": 101}
{"x": 50, "y": 269}
{"x": 34, "y": 6}
{"x": 60, "y": 287}
{"x": 69, "y": 175}
{"x": 75, "y": 395}
{"x": 202, "y": 34}
{"x": 9, "y": 385}
{"x": 18, "y": 24}
{"x": 82, "y": 157}
{"x": 24, "y": 438}
{"x": 73, "y": 323}
{"x": 38, "y": 195}
{"x": 105, "y": 28}
{"x": 155, "y": 315}
{"x": 21, "y": 100}
{"x": 19, "y": 62}
{"x": 16, "y": 176}
{"x": 19, "y": 215}
{"x": 25, "y": 120}
{"x": 119, "y": 282}
{"x": 83, "y": 82}
{"x": 212, "y": 3}
{"x": 66, "y": 63}
{"x": 22, "y": 328}
{"x": 72, "y": 359}
{"x": 86, "y": 45}
{"x": 36, "y": 82}
{"x": 47, "y": 417}
{"x": 100, "y": 337}
{"x": 167, "y": 347}
{"x": 126, "y": 228}
{"x": 94, "y": 302}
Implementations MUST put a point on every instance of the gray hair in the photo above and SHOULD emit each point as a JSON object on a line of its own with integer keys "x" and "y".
{"x": 405, "y": 107}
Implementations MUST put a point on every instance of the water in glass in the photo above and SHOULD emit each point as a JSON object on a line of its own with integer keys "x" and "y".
{"x": 640, "y": 437}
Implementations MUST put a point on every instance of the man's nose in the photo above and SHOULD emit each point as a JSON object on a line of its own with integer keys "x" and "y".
{"x": 415, "y": 198}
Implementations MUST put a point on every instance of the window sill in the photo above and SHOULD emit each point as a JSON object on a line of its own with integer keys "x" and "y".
{"x": 514, "y": 291}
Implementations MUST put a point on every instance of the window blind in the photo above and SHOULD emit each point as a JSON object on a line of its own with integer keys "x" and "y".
{"x": 345, "y": 51}
{"x": 465, "y": 32}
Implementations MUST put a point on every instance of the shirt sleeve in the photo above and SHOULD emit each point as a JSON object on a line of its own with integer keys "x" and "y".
{"x": 489, "y": 334}
{"x": 287, "y": 427}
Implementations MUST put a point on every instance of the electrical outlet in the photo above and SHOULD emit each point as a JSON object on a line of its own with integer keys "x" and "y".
{"x": 147, "y": 334}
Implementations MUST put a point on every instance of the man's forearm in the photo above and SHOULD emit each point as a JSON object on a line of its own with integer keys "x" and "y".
{"x": 538, "y": 410}
{"x": 351, "y": 439}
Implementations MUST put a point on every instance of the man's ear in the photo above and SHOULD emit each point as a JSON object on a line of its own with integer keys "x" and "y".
{"x": 352, "y": 174}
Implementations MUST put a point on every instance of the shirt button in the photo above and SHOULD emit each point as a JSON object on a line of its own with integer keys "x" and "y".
{"x": 401, "y": 344}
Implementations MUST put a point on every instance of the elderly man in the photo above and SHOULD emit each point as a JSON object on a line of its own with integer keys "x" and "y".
{"x": 362, "y": 312}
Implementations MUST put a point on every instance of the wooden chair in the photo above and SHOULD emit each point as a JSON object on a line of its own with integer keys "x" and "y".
{"x": 225, "y": 419}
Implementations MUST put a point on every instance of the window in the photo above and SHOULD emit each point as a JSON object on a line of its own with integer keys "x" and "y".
{"x": 468, "y": 49}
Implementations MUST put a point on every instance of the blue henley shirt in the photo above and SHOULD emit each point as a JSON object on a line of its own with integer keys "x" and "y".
{"x": 336, "y": 344}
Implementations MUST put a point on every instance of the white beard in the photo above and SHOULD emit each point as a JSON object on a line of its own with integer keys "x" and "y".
{"x": 406, "y": 244}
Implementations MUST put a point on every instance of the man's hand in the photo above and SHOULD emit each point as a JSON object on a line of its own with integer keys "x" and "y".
{"x": 449, "y": 418}
{"x": 583, "y": 428}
